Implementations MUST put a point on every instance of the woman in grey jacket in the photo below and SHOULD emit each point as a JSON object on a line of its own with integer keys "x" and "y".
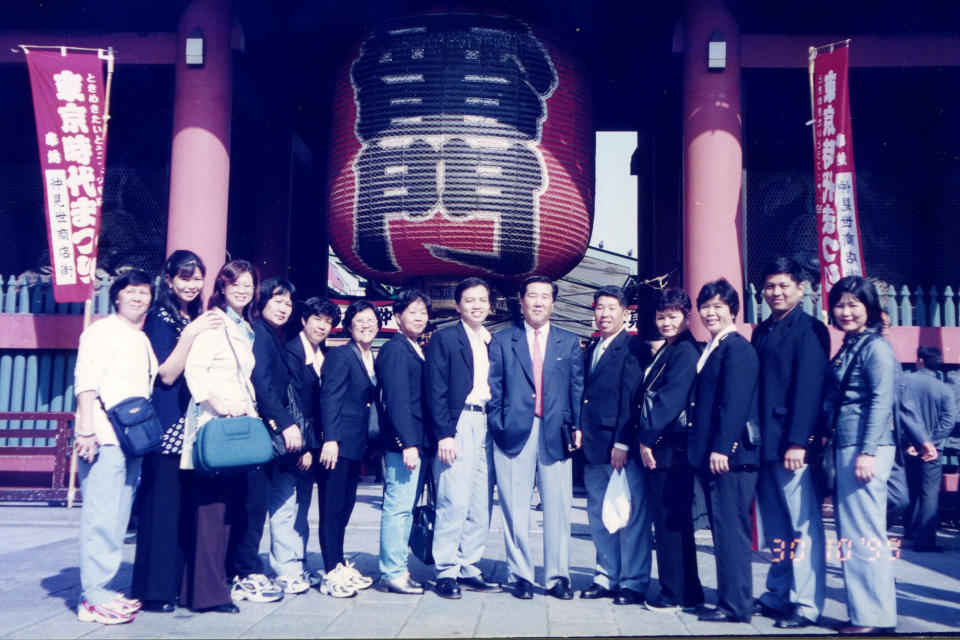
{"x": 859, "y": 406}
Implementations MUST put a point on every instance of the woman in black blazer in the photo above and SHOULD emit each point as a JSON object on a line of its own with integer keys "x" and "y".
{"x": 347, "y": 386}
{"x": 400, "y": 376}
{"x": 663, "y": 450}
{"x": 720, "y": 447}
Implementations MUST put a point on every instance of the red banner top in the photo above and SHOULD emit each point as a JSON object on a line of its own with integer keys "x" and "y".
{"x": 838, "y": 231}
{"x": 69, "y": 103}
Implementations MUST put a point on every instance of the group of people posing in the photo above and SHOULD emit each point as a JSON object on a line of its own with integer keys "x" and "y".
{"x": 474, "y": 410}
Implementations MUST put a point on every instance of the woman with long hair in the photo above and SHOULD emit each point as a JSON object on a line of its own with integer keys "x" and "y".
{"x": 218, "y": 372}
{"x": 172, "y": 324}
{"x": 861, "y": 391}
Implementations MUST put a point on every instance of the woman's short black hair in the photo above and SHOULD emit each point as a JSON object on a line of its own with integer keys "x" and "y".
{"x": 184, "y": 264}
{"x": 356, "y": 307}
{"x": 274, "y": 287}
{"x": 320, "y": 307}
{"x": 611, "y": 291}
{"x": 723, "y": 289}
{"x": 864, "y": 291}
{"x": 673, "y": 298}
{"x": 408, "y": 297}
{"x": 127, "y": 278}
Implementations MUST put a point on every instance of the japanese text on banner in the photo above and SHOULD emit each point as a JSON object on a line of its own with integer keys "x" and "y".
{"x": 68, "y": 98}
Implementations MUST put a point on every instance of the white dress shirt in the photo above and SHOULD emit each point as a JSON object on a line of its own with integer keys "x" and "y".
{"x": 479, "y": 339}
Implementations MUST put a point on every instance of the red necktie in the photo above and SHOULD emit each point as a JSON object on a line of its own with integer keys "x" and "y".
{"x": 538, "y": 373}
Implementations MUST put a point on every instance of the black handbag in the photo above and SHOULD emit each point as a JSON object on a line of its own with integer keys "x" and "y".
{"x": 424, "y": 517}
{"x": 136, "y": 425}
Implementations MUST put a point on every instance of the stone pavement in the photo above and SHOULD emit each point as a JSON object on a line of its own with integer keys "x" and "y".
{"x": 40, "y": 589}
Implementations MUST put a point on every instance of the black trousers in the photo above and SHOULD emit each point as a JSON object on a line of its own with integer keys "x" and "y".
{"x": 671, "y": 499}
{"x": 923, "y": 516}
{"x": 729, "y": 496}
{"x": 212, "y": 510}
{"x": 158, "y": 564}
{"x": 336, "y": 494}
{"x": 252, "y": 493}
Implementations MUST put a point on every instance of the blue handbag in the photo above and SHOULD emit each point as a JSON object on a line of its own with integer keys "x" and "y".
{"x": 232, "y": 445}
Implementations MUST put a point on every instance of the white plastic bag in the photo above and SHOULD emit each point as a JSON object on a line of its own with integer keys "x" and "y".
{"x": 616, "y": 502}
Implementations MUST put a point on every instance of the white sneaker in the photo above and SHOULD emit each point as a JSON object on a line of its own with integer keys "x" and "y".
{"x": 357, "y": 579}
{"x": 256, "y": 587}
{"x": 336, "y": 583}
{"x": 103, "y": 613}
{"x": 293, "y": 582}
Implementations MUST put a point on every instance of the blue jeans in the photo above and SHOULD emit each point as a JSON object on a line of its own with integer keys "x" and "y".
{"x": 290, "y": 493}
{"x": 399, "y": 493}
{"x": 107, "y": 485}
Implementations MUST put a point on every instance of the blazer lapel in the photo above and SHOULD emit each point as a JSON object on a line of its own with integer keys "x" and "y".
{"x": 522, "y": 351}
{"x": 608, "y": 356}
{"x": 465, "y": 349}
{"x": 363, "y": 367}
{"x": 413, "y": 352}
{"x": 779, "y": 330}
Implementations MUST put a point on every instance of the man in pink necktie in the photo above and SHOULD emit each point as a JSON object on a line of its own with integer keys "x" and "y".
{"x": 536, "y": 385}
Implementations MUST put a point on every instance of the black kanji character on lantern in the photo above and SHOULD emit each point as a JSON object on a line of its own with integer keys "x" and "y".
{"x": 452, "y": 74}
{"x": 489, "y": 183}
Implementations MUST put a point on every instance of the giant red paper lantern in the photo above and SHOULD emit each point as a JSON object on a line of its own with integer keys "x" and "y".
{"x": 462, "y": 144}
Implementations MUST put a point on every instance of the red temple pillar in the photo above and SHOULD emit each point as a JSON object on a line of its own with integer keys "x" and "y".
{"x": 712, "y": 153}
{"x": 200, "y": 158}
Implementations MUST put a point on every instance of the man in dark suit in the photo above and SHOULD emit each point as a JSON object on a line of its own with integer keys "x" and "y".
{"x": 792, "y": 348}
{"x": 457, "y": 392}
{"x": 536, "y": 388}
{"x": 935, "y": 404}
{"x": 623, "y": 556}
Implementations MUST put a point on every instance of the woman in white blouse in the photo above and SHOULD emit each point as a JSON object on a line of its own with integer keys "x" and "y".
{"x": 217, "y": 371}
{"x": 114, "y": 362}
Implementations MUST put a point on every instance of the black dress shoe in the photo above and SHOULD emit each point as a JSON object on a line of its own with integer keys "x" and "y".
{"x": 561, "y": 589}
{"x": 595, "y": 591}
{"x": 523, "y": 589}
{"x": 159, "y": 606}
{"x": 220, "y": 608}
{"x": 761, "y": 609}
{"x": 447, "y": 588}
{"x": 478, "y": 583}
{"x": 628, "y": 596}
{"x": 854, "y": 630}
{"x": 793, "y": 621}
{"x": 719, "y": 615}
